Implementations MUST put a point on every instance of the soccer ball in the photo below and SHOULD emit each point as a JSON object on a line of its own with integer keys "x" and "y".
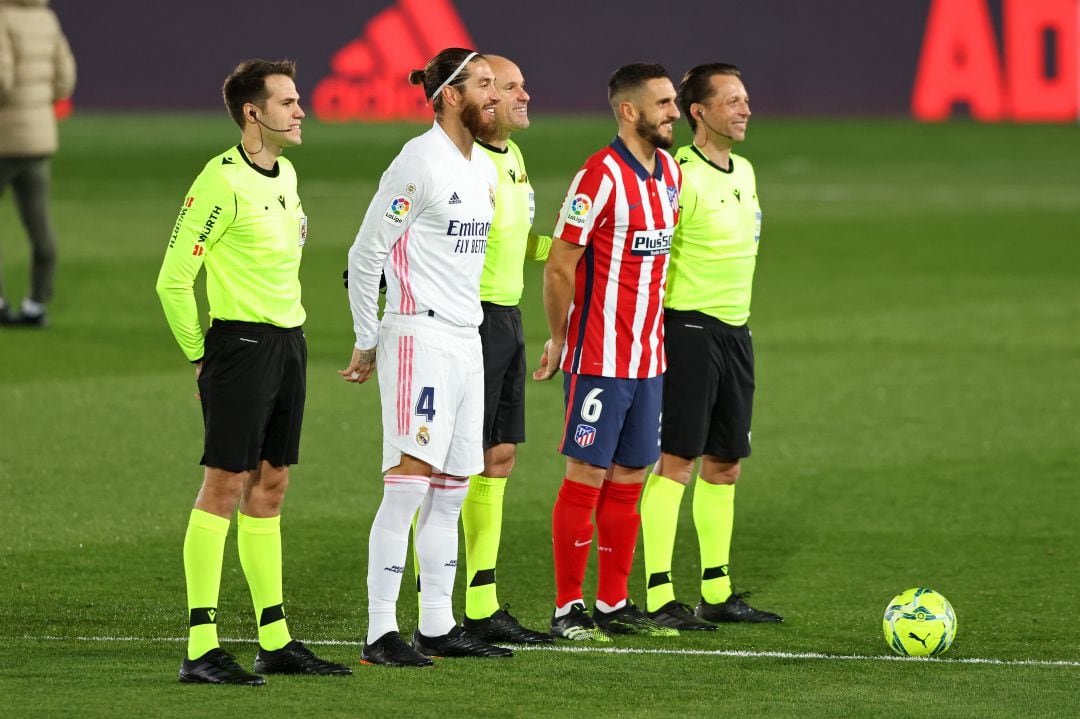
{"x": 919, "y": 622}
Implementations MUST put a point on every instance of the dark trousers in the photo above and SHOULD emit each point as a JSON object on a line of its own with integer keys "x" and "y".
{"x": 29, "y": 178}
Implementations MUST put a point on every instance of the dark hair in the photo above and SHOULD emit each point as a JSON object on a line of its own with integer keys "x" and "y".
{"x": 438, "y": 69}
{"x": 696, "y": 87}
{"x": 633, "y": 76}
{"x": 247, "y": 83}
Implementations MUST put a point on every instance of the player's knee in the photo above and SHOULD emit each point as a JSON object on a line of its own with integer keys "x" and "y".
{"x": 718, "y": 471}
{"x": 678, "y": 469}
{"x": 499, "y": 460}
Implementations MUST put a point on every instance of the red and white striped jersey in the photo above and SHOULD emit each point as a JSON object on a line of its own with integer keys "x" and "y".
{"x": 625, "y": 217}
{"x": 426, "y": 229}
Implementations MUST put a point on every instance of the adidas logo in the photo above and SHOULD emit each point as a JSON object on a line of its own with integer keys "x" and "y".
{"x": 454, "y": 199}
{"x": 369, "y": 77}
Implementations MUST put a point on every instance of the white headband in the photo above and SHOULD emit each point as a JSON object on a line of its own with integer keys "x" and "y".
{"x": 454, "y": 74}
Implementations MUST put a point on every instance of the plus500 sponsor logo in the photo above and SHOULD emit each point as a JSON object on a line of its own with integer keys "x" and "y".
{"x": 651, "y": 242}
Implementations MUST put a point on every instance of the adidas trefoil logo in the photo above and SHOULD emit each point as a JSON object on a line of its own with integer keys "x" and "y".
{"x": 454, "y": 199}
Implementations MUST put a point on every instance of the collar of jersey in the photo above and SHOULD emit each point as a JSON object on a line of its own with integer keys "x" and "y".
{"x": 266, "y": 173}
{"x": 492, "y": 148}
{"x": 623, "y": 151}
{"x": 701, "y": 154}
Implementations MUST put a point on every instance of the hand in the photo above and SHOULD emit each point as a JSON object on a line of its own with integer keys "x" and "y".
{"x": 198, "y": 371}
{"x": 549, "y": 360}
{"x": 360, "y": 366}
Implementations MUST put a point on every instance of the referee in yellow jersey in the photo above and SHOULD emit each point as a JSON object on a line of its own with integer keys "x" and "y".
{"x": 510, "y": 242}
{"x": 709, "y": 384}
{"x": 243, "y": 219}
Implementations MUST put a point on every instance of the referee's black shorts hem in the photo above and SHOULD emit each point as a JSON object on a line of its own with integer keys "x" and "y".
{"x": 253, "y": 386}
{"x": 503, "y": 340}
{"x": 708, "y": 387}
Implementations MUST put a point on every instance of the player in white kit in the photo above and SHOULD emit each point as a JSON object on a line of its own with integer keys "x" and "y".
{"x": 426, "y": 230}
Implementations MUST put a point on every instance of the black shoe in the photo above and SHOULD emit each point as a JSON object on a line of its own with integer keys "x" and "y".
{"x": 393, "y": 651}
{"x": 6, "y": 318}
{"x": 734, "y": 609}
{"x": 457, "y": 643}
{"x": 577, "y": 626}
{"x": 217, "y": 667}
{"x": 295, "y": 658}
{"x": 679, "y": 616}
{"x": 628, "y": 619}
{"x": 503, "y": 627}
{"x": 22, "y": 319}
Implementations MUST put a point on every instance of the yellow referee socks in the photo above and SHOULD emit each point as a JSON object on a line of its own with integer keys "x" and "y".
{"x": 714, "y": 515}
{"x": 481, "y": 518}
{"x": 259, "y": 542}
{"x": 204, "y": 548}
{"x": 660, "y": 502}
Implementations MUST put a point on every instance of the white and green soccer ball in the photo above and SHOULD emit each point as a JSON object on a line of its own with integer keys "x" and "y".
{"x": 919, "y": 622}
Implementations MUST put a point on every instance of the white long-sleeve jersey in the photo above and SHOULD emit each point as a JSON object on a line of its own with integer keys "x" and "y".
{"x": 427, "y": 229}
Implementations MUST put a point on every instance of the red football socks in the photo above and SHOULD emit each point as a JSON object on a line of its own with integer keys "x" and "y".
{"x": 571, "y": 534}
{"x": 617, "y": 523}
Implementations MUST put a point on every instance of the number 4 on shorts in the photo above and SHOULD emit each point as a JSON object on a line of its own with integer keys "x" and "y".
{"x": 425, "y": 404}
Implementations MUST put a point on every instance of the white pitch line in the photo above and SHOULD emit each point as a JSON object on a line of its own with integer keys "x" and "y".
{"x": 732, "y": 653}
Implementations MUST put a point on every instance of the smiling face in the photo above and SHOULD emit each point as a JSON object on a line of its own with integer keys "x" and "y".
{"x": 656, "y": 112}
{"x": 512, "y": 112}
{"x": 281, "y": 114}
{"x": 479, "y": 99}
{"x": 726, "y": 111}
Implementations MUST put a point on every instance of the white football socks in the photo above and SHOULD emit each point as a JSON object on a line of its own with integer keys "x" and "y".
{"x": 388, "y": 545}
{"x": 437, "y": 549}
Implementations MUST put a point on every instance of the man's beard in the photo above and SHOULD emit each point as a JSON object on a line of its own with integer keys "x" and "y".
{"x": 651, "y": 134}
{"x": 476, "y": 122}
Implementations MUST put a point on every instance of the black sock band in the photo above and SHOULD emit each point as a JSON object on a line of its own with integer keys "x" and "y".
{"x": 202, "y": 615}
{"x": 272, "y": 614}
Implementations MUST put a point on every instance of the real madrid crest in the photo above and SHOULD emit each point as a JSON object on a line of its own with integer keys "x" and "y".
{"x": 491, "y": 196}
{"x": 422, "y": 436}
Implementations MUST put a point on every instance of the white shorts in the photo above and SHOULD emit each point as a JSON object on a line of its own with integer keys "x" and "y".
{"x": 431, "y": 382}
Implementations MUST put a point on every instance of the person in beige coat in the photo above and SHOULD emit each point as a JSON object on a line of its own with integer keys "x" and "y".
{"x": 36, "y": 69}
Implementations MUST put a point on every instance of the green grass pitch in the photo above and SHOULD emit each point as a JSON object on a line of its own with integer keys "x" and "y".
{"x": 917, "y": 327}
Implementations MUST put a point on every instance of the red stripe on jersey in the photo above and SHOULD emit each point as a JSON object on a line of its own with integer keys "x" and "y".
{"x": 625, "y": 218}
{"x": 401, "y": 268}
{"x": 404, "y": 384}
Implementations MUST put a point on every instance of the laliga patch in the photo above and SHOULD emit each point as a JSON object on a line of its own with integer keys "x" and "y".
{"x": 649, "y": 243}
{"x": 423, "y": 437}
{"x": 584, "y": 435}
{"x": 578, "y": 210}
{"x": 303, "y": 230}
{"x": 397, "y": 210}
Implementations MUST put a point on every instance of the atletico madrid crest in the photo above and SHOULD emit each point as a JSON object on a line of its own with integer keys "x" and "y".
{"x": 584, "y": 435}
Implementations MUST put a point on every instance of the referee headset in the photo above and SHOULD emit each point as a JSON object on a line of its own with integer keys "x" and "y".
{"x": 699, "y": 115}
{"x": 255, "y": 117}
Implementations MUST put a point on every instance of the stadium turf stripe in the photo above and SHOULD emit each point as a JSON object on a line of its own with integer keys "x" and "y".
{"x": 733, "y": 653}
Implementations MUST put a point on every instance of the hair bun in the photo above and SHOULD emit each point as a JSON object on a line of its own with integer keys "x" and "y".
{"x": 416, "y": 77}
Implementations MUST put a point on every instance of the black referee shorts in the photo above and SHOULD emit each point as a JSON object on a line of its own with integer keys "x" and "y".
{"x": 253, "y": 384}
{"x": 708, "y": 387}
{"x": 503, "y": 340}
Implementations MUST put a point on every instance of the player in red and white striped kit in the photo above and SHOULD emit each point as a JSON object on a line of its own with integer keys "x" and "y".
{"x": 603, "y": 296}
{"x": 426, "y": 230}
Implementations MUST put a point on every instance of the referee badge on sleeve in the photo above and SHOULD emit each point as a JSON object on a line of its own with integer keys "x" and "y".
{"x": 303, "y": 230}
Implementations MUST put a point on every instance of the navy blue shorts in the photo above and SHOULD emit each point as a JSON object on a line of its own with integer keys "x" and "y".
{"x": 611, "y": 420}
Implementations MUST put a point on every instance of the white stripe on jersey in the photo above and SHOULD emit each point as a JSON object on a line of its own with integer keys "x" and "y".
{"x": 618, "y": 241}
